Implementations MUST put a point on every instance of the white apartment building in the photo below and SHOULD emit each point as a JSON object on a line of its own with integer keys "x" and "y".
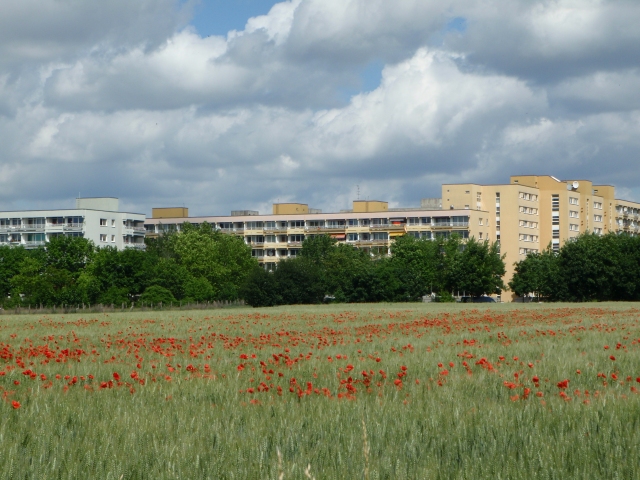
{"x": 96, "y": 219}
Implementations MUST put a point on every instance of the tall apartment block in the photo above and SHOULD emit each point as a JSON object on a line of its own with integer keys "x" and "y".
{"x": 96, "y": 219}
{"x": 533, "y": 212}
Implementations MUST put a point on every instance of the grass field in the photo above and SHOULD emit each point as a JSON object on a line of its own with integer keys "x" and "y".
{"x": 339, "y": 392}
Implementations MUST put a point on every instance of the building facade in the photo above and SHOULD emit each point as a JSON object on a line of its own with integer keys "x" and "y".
{"x": 369, "y": 225}
{"x": 96, "y": 219}
{"x": 535, "y": 211}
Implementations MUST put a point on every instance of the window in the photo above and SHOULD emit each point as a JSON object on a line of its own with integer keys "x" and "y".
{"x": 555, "y": 203}
{"x": 113, "y": 223}
{"x": 597, "y": 218}
{"x": 113, "y": 239}
{"x": 467, "y": 192}
{"x": 478, "y": 197}
{"x": 365, "y": 222}
{"x": 380, "y": 236}
{"x": 466, "y": 207}
{"x": 103, "y": 237}
{"x": 573, "y": 214}
{"x": 597, "y": 205}
{"x": 296, "y": 224}
{"x": 573, "y": 201}
{"x": 314, "y": 223}
{"x": 103, "y": 222}
{"x": 352, "y": 237}
{"x": 296, "y": 238}
{"x": 573, "y": 227}
{"x": 413, "y": 221}
{"x": 254, "y": 225}
{"x": 597, "y": 231}
{"x": 353, "y": 222}
{"x": 480, "y": 235}
{"x": 479, "y": 221}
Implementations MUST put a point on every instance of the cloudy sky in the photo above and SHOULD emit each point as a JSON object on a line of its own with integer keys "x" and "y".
{"x": 221, "y": 105}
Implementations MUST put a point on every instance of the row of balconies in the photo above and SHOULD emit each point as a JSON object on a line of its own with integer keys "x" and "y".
{"x": 341, "y": 229}
{"x": 41, "y": 227}
{"x": 299, "y": 244}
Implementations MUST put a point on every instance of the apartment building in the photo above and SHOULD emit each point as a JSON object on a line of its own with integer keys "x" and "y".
{"x": 535, "y": 211}
{"x": 369, "y": 225}
{"x": 96, "y": 219}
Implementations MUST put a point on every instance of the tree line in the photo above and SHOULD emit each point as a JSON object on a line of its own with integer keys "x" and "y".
{"x": 416, "y": 267}
{"x": 200, "y": 264}
{"x": 590, "y": 268}
{"x": 197, "y": 265}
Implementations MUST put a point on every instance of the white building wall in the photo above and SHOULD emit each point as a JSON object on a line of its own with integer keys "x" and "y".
{"x": 33, "y": 228}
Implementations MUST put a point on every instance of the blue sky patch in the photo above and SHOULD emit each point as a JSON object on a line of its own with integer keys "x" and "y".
{"x": 217, "y": 17}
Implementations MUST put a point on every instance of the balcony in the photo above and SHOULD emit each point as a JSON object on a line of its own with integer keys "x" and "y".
{"x": 294, "y": 244}
{"x": 31, "y": 228}
{"x": 256, "y": 244}
{"x": 135, "y": 246}
{"x": 34, "y": 244}
{"x": 387, "y": 227}
{"x": 275, "y": 229}
{"x": 330, "y": 229}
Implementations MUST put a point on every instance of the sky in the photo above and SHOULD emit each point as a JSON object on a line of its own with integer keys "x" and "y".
{"x": 223, "y": 105}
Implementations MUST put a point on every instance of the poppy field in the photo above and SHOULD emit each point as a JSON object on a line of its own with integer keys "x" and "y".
{"x": 335, "y": 391}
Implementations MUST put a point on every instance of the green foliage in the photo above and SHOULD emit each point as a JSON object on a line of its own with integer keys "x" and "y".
{"x": 537, "y": 274}
{"x": 298, "y": 282}
{"x": 224, "y": 260}
{"x": 260, "y": 289}
{"x": 156, "y": 295}
{"x": 10, "y": 260}
{"x": 198, "y": 289}
{"x": 589, "y": 268}
{"x": 417, "y": 263}
{"x": 477, "y": 268}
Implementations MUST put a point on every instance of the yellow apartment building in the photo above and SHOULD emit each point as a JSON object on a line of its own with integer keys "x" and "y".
{"x": 524, "y": 216}
{"x": 535, "y": 211}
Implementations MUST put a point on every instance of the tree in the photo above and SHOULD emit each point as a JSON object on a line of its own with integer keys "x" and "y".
{"x": 224, "y": 260}
{"x": 72, "y": 254}
{"x": 155, "y": 295}
{"x": 10, "y": 260}
{"x": 536, "y": 274}
{"x": 475, "y": 268}
{"x": 417, "y": 263}
{"x": 261, "y": 289}
{"x": 298, "y": 282}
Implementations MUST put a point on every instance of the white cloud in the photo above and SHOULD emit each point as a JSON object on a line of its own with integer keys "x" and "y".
{"x": 138, "y": 107}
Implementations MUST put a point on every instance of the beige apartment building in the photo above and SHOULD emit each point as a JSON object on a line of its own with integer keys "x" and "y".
{"x": 535, "y": 211}
{"x": 368, "y": 225}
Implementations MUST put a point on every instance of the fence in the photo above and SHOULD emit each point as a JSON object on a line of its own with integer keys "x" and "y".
{"x": 29, "y": 309}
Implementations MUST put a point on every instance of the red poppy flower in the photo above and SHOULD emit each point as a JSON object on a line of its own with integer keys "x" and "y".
{"x": 15, "y": 404}
{"x": 116, "y": 376}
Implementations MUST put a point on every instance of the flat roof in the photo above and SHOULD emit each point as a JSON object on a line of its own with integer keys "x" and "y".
{"x": 67, "y": 210}
{"x": 309, "y": 216}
